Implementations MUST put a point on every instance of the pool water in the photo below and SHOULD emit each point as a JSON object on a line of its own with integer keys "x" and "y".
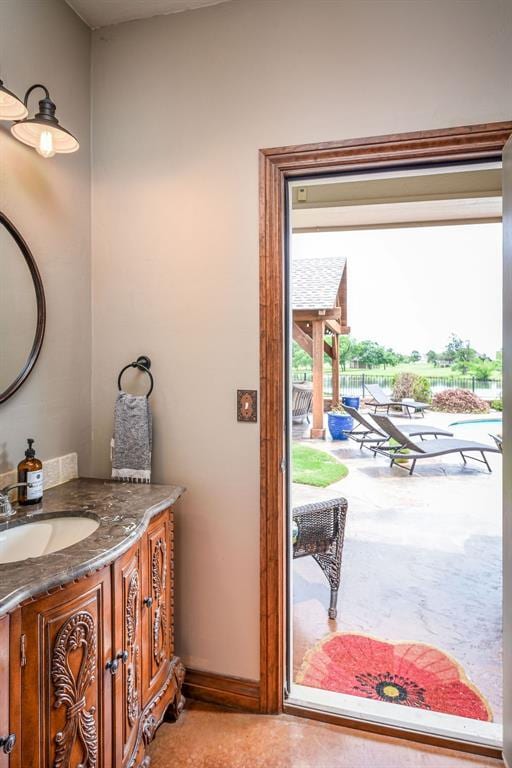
{"x": 469, "y": 422}
{"x": 477, "y": 429}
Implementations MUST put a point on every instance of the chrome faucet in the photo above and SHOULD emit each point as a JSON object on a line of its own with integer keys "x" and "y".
{"x": 6, "y": 508}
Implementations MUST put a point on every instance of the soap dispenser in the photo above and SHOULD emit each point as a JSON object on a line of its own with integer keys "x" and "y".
{"x": 30, "y": 471}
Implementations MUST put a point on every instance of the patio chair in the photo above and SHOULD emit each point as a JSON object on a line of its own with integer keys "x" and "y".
{"x": 319, "y": 531}
{"x": 381, "y": 400}
{"x": 427, "y": 449}
{"x": 369, "y": 433}
{"x": 302, "y": 397}
{"x": 498, "y": 439}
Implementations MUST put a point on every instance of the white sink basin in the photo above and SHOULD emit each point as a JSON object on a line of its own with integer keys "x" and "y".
{"x": 40, "y": 537}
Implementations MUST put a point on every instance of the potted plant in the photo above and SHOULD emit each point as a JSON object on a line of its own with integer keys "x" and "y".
{"x": 339, "y": 423}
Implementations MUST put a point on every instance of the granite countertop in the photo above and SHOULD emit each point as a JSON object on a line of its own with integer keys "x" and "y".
{"x": 123, "y": 511}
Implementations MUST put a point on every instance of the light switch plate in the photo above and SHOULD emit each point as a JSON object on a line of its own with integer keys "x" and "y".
{"x": 247, "y": 405}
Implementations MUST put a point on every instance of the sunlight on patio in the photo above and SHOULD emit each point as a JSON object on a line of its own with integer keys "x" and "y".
{"x": 421, "y": 558}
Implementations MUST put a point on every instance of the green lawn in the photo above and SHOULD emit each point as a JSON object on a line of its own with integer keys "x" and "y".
{"x": 421, "y": 368}
{"x": 313, "y": 467}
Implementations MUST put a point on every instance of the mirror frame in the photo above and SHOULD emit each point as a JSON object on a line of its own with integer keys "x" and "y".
{"x": 41, "y": 310}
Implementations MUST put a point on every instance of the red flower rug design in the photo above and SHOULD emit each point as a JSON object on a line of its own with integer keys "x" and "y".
{"x": 411, "y": 674}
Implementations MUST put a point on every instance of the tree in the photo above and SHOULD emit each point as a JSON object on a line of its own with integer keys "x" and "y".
{"x": 459, "y": 353}
{"x": 346, "y": 351}
{"x": 368, "y": 353}
{"x": 300, "y": 358}
{"x": 390, "y": 357}
{"x": 432, "y": 357}
{"x": 482, "y": 370}
{"x": 415, "y": 356}
{"x": 452, "y": 348}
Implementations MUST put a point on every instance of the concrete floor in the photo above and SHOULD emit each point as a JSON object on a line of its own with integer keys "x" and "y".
{"x": 210, "y": 737}
{"x": 422, "y": 558}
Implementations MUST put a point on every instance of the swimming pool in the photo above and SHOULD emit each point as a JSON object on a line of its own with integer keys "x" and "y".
{"x": 480, "y": 430}
{"x": 468, "y": 422}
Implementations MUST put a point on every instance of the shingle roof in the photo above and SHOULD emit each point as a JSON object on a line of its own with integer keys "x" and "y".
{"x": 315, "y": 281}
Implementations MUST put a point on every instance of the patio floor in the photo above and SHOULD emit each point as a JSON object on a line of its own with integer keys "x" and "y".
{"x": 422, "y": 557}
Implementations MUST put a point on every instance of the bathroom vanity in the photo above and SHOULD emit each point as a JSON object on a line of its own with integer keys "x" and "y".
{"x": 87, "y": 664}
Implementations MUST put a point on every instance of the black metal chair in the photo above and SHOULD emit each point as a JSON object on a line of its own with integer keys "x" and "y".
{"x": 319, "y": 531}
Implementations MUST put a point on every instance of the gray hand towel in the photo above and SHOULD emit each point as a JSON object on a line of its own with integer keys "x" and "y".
{"x": 132, "y": 441}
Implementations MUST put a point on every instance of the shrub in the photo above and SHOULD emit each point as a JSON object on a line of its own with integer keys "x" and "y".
{"x": 421, "y": 390}
{"x": 338, "y": 410}
{"x": 497, "y": 405}
{"x": 411, "y": 385}
{"x": 459, "y": 401}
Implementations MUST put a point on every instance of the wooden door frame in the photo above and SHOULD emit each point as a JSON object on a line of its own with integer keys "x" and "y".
{"x": 277, "y": 166}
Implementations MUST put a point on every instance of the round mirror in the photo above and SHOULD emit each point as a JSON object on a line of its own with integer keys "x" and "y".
{"x": 22, "y": 310}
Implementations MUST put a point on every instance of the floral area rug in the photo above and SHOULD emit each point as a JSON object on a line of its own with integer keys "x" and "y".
{"x": 410, "y": 674}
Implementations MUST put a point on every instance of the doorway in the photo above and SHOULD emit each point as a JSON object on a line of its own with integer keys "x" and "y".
{"x": 278, "y": 166}
{"x": 411, "y": 308}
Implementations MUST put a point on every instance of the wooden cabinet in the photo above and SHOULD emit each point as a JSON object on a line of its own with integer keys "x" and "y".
{"x": 8, "y": 738}
{"x": 91, "y": 669}
{"x": 157, "y": 612}
{"x": 65, "y": 645}
{"x": 127, "y": 645}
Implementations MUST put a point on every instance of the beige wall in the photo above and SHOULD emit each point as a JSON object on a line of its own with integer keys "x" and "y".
{"x": 181, "y": 105}
{"x": 49, "y": 202}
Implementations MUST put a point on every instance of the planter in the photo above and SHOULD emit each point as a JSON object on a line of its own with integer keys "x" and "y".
{"x": 339, "y": 424}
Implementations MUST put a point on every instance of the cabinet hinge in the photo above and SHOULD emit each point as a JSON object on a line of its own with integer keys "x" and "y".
{"x": 23, "y": 650}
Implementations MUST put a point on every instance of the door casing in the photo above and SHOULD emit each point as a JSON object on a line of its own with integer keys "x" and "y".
{"x": 483, "y": 142}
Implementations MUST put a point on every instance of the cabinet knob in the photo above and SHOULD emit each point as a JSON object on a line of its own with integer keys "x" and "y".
{"x": 148, "y": 602}
{"x": 112, "y": 666}
{"x": 7, "y": 743}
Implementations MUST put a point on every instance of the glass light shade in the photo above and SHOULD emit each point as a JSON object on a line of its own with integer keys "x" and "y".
{"x": 11, "y": 108}
{"x": 45, "y": 137}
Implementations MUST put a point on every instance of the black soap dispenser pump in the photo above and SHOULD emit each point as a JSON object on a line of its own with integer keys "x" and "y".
{"x": 30, "y": 471}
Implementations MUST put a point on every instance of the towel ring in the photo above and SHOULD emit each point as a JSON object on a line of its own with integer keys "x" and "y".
{"x": 143, "y": 363}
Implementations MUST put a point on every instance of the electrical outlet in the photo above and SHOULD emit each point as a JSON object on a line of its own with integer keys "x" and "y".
{"x": 247, "y": 405}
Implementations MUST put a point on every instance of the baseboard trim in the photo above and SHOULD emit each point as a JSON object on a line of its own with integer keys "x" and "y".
{"x": 234, "y": 692}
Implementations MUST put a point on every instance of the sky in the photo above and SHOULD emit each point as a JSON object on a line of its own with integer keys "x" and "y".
{"x": 411, "y": 288}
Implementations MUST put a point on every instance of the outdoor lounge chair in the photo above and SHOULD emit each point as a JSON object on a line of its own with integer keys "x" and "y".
{"x": 428, "y": 448}
{"x": 498, "y": 440}
{"x": 381, "y": 400}
{"x": 319, "y": 531}
{"x": 302, "y": 397}
{"x": 367, "y": 432}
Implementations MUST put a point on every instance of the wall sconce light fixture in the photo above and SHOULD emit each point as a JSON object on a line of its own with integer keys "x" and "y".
{"x": 11, "y": 108}
{"x": 43, "y": 131}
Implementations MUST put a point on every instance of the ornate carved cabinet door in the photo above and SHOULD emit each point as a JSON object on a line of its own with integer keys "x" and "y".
{"x": 6, "y": 743}
{"x": 66, "y": 688}
{"x": 157, "y": 611}
{"x": 127, "y": 641}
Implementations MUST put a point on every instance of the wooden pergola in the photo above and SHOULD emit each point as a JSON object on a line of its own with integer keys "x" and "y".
{"x": 319, "y": 318}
